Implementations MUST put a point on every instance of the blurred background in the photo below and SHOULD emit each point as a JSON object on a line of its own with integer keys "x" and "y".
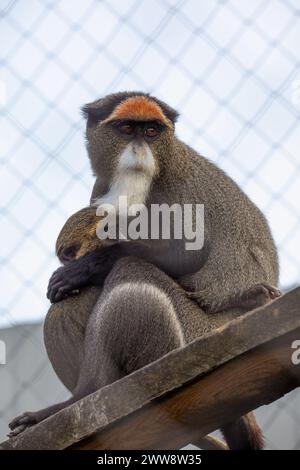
{"x": 232, "y": 69}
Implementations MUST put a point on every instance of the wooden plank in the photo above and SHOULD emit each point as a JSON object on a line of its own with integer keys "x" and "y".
{"x": 255, "y": 378}
{"x": 180, "y": 366}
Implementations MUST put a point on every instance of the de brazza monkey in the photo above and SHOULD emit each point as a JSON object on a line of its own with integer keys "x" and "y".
{"x": 134, "y": 152}
{"x": 96, "y": 337}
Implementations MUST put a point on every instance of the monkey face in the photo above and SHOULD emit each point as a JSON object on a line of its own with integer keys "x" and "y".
{"x": 67, "y": 253}
{"x": 78, "y": 236}
{"x": 127, "y": 127}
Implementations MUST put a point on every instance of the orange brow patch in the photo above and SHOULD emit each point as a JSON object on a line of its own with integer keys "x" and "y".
{"x": 139, "y": 108}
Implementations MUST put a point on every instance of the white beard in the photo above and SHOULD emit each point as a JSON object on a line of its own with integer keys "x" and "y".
{"x": 133, "y": 177}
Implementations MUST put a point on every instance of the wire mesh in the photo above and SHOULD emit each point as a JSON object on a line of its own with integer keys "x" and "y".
{"x": 231, "y": 68}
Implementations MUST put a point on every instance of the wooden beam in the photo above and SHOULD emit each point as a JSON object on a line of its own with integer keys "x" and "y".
{"x": 279, "y": 319}
{"x": 181, "y": 417}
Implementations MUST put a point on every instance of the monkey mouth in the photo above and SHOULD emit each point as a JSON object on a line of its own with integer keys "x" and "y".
{"x": 138, "y": 157}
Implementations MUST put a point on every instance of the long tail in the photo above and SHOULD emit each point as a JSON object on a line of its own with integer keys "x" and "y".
{"x": 244, "y": 434}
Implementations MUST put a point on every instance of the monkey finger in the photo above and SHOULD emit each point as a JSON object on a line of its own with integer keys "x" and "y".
{"x": 24, "y": 419}
{"x": 57, "y": 273}
{"x": 52, "y": 295}
{"x": 273, "y": 292}
{"x": 15, "y": 422}
{"x": 75, "y": 292}
{"x": 17, "y": 431}
{"x": 55, "y": 278}
{"x": 54, "y": 287}
{"x": 50, "y": 292}
{"x": 51, "y": 287}
{"x": 62, "y": 293}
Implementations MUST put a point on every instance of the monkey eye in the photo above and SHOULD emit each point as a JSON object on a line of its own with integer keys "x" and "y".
{"x": 68, "y": 254}
{"x": 151, "y": 132}
{"x": 126, "y": 129}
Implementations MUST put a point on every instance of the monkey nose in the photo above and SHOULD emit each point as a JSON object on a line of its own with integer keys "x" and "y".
{"x": 140, "y": 148}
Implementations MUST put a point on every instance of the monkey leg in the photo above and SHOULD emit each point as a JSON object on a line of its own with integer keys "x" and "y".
{"x": 250, "y": 298}
{"x": 64, "y": 332}
{"x": 141, "y": 315}
{"x": 133, "y": 323}
{"x": 240, "y": 277}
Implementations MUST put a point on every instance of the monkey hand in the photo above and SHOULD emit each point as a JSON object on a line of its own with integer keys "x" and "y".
{"x": 22, "y": 422}
{"x": 90, "y": 269}
{"x": 30, "y": 418}
{"x": 67, "y": 280}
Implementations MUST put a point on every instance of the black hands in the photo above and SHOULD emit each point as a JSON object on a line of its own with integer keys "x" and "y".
{"x": 91, "y": 269}
{"x": 68, "y": 279}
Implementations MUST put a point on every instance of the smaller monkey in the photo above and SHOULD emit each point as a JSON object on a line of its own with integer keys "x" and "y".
{"x": 78, "y": 236}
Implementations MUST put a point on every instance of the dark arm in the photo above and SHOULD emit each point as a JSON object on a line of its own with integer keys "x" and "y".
{"x": 91, "y": 269}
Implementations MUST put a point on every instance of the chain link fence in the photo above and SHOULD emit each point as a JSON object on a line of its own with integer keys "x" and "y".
{"x": 231, "y": 68}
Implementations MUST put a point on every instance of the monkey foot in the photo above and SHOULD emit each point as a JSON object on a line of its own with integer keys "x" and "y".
{"x": 257, "y": 295}
{"x": 25, "y": 420}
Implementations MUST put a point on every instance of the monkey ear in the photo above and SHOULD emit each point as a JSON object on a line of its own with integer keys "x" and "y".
{"x": 100, "y": 109}
{"x": 95, "y": 111}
